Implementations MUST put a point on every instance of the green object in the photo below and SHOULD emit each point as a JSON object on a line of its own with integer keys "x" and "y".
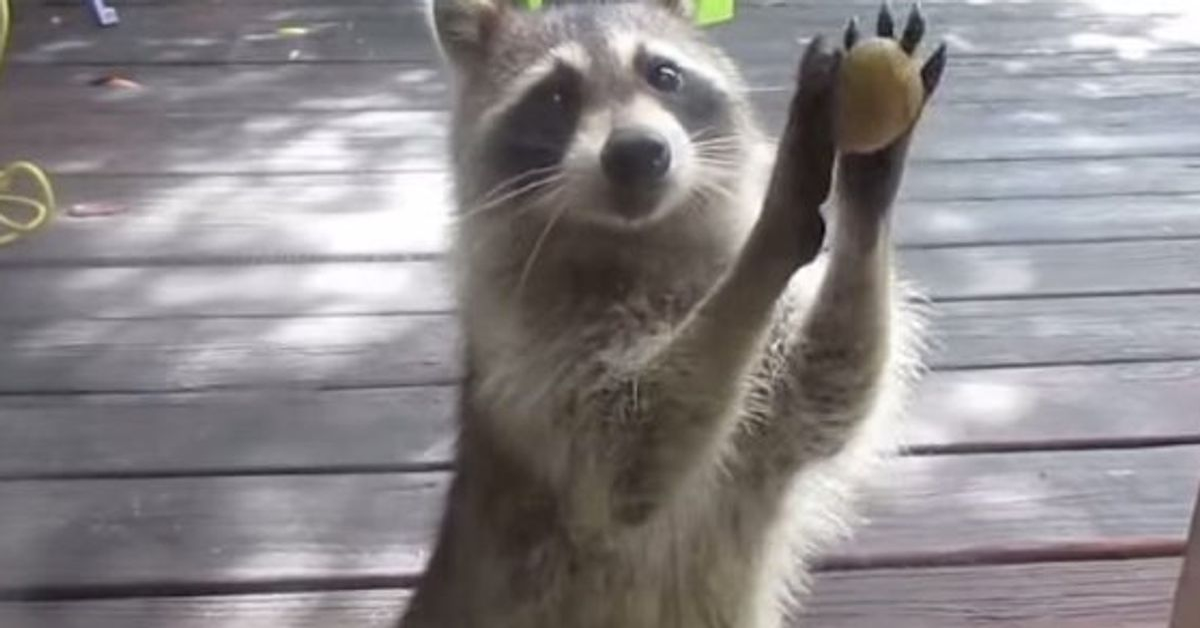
{"x": 708, "y": 12}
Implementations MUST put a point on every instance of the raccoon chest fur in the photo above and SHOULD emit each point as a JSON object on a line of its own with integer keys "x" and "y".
{"x": 509, "y": 557}
{"x": 668, "y": 397}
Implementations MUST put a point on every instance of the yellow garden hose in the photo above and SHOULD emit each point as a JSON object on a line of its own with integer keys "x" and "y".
{"x": 26, "y": 196}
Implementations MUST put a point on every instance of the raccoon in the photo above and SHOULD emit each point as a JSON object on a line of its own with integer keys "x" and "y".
{"x": 671, "y": 383}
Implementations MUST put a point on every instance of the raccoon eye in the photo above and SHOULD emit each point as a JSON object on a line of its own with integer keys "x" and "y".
{"x": 665, "y": 76}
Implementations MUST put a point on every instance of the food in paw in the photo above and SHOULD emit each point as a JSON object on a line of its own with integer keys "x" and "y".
{"x": 879, "y": 95}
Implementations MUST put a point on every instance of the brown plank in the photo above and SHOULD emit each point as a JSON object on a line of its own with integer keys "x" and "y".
{"x": 166, "y": 533}
{"x": 778, "y": 71}
{"x": 251, "y": 531}
{"x": 348, "y": 430}
{"x": 1013, "y": 407}
{"x": 215, "y": 143}
{"x": 275, "y": 431}
{"x": 1059, "y": 269}
{"x": 1060, "y": 497}
{"x": 182, "y": 34}
{"x": 209, "y": 142}
{"x": 391, "y": 287}
{"x": 244, "y": 218}
{"x": 253, "y": 88}
{"x": 1186, "y": 611}
{"x": 172, "y": 33}
{"x": 1010, "y": 215}
{"x": 259, "y": 88}
{"x": 981, "y": 334}
{"x": 1124, "y": 594}
{"x": 146, "y": 355}
{"x": 196, "y": 219}
{"x": 321, "y": 609}
{"x": 233, "y": 291}
{"x": 138, "y": 355}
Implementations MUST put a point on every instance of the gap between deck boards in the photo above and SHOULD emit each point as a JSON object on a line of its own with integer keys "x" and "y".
{"x": 447, "y": 465}
{"x": 1135, "y": 550}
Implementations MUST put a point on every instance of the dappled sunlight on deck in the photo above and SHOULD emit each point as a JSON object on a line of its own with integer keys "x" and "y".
{"x": 227, "y": 395}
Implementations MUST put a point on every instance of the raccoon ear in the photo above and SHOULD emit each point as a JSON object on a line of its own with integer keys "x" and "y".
{"x": 463, "y": 28}
{"x": 682, "y": 8}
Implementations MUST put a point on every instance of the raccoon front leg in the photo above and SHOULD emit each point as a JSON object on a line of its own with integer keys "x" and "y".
{"x": 678, "y": 409}
{"x": 828, "y": 374}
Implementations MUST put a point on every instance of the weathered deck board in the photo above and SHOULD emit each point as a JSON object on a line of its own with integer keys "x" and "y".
{"x": 259, "y": 290}
{"x": 207, "y": 142}
{"x": 170, "y": 33}
{"x": 69, "y": 535}
{"x": 381, "y": 350}
{"x": 247, "y": 353}
{"x": 226, "y": 94}
{"x": 1120, "y": 594}
{"x": 277, "y": 431}
{"x": 289, "y": 88}
{"x": 989, "y": 333}
{"x": 387, "y": 287}
{"x": 226, "y": 433}
{"x": 251, "y": 218}
{"x": 1069, "y": 403}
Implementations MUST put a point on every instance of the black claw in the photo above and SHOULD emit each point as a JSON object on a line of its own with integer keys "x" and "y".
{"x": 914, "y": 30}
{"x": 931, "y": 72}
{"x": 886, "y": 26}
{"x": 815, "y": 58}
{"x": 851, "y": 36}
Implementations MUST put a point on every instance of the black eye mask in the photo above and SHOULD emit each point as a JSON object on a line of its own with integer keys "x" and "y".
{"x": 537, "y": 131}
{"x": 695, "y": 102}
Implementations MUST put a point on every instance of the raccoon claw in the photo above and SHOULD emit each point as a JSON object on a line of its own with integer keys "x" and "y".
{"x": 931, "y": 72}
{"x": 803, "y": 173}
{"x": 811, "y": 123}
{"x": 910, "y": 39}
{"x": 819, "y": 66}
{"x": 851, "y": 36}
{"x": 885, "y": 25}
{"x": 870, "y": 172}
{"x": 914, "y": 30}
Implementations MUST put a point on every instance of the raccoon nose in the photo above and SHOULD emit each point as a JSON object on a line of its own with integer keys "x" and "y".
{"x": 635, "y": 156}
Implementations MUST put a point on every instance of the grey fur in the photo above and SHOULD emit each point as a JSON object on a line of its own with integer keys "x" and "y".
{"x": 660, "y": 422}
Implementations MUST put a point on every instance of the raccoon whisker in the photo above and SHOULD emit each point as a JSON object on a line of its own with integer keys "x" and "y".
{"x": 695, "y": 137}
{"x": 714, "y": 192}
{"x": 547, "y": 195}
{"x": 531, "y": 186}
{"x": 732, "y": 152}
{"x": 517, "y": 180}
{"x": 505, "y": 187}
{"x": 719, "y": 160}
{"x": 537, "y": 246}
{"x": 717, "y": 141}
{"x": 719, "y": 165}
{"x": 724, "y": 137}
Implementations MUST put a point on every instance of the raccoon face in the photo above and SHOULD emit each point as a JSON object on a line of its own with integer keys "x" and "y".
{"x": 618, "y": 114}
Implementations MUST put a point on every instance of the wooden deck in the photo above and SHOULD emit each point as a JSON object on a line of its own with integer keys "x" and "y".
{"x": 229, "y": 403}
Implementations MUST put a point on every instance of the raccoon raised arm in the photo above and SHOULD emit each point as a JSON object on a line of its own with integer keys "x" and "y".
{"x": 624, "y": 125}
{"x": 646, "y": 344}
{"x": 853, "y": 348}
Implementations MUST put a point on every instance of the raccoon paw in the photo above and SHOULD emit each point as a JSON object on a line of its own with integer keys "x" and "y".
{"x": 881, "y": 88}
{"x": 803, "y": 171}
{"x": 881, "y": 95}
